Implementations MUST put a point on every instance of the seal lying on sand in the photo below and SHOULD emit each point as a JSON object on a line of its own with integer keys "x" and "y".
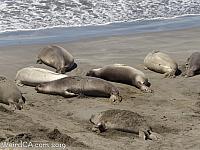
{"x": 123, "y": 120}
{"x": 123, "y": 74}
{"x": 57, "y": 57}
{"x": 161, "y": 63}
{"x": 10, "y": 94}
{"x": 193, "y": 65}
{"x": 33, "y": 76}
{"x": 74, "y": 86}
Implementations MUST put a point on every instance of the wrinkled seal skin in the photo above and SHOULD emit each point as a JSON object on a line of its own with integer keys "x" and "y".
{"x": 10, "y": 94}
{"x": 122, "y": 74}
{"x": 161, "y": 63}
{"x": 33, "y": 76}
{"x": 123, "y": 120}
{"x": 74, "y": 86}
{"x": 193, "y": 65}
{"x": 57, "y": 57}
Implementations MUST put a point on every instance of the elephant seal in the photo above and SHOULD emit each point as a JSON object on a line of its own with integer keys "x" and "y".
{"x": 33, "y": 76}
{"x": 57, "y": 57}
{"x": 161, "y": 63}
{"x": 193, "y": 65}
{"x": 75, "y": 85}
{"x": 123, "y": 74}
{"x": 125, "y": 121}
{"x": 10, "y": 94}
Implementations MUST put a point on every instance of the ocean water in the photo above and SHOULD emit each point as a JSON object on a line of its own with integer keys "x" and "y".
{"x": 40, "y": 21}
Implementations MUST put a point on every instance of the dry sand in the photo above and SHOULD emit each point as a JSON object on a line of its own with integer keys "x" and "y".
{"x": 174, "y": 106}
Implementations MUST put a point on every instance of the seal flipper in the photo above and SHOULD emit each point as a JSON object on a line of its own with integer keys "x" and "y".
{"x": 19, "y": 83}
{"x": 69, "y": 94}
{"x": 170, "y": 74}
{"x": 12, "y": 105}
{"x": 99, "y": 127}
{"x": 149, "y": 135}
{"x": 154, "y": 136}
{"x": 23, "y": 99}
{"x": 142, "y": 135}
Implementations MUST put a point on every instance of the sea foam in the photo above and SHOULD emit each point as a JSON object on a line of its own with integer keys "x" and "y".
{"x": 39, "y": 14}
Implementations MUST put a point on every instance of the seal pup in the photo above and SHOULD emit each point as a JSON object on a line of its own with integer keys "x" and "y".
{"x": 125, "y": 121}
{"x": 161, "y": 63}
{"x": 57, "y": 57}
{"x": 33, "y": 76}
{"x": 193, "y": 65}
{"x": 123, "y": 74}
{"x": 75, "y": 85}
{"x": 10, "y": 94}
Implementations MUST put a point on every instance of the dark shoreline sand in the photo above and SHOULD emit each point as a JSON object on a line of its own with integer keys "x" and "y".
{"x": 175, "y": 103}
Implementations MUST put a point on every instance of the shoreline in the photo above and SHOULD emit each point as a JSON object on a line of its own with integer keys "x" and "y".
{"x": 74, "y": 34}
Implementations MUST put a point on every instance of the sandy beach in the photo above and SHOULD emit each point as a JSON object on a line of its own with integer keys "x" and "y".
{"x": 174, "y": 106}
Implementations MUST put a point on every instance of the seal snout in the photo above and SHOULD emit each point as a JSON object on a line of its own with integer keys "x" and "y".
{"x": 146, "y": 89}
{"x": 115, "y": 98}
{"x": 90, "y": 73}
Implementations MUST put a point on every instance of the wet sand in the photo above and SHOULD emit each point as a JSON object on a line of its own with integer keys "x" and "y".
{"x": 174, "y": 106}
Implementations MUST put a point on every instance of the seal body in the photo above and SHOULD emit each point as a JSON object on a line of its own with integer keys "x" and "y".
{"x": 56, "y": 57}
{"x": 74, "y": 86}
{"x": 122, "y": 74}
{"x": 161, "y": 63}
{"x": 10, "y": 94}
{"x": 193, "y": 65}
{"x": 122, "y": 120}
{"x": 33, "y": 76}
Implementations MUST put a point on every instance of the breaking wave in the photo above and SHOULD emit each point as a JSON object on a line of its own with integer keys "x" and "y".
{"x": 39, "y": 14}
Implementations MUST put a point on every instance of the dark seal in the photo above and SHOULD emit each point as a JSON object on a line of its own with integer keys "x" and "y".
{"x": 74, "y": 86}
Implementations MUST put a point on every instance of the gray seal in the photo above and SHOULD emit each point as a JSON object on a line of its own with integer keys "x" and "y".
{"x": 193, "y": 65}
{"x": 125, "y": 121}
{"x": 57, "y": 57}
{"x": 161, "y": 63}
{"x": 10, "y": 94}
{"x": 75, "y": 85}
{"x": 32, "y": 76}
{"x": 123, "y": 74}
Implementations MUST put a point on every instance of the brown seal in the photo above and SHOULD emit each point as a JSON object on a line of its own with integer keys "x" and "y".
{"x": 193, "y": 65}
{"x": 123, "y": 74}
{"x": 74, "y": 86}
{"x": 161, "y": 63}
{"x": 10, "y": 94}
{"x": 57, "y": 57}
{"x": 125, "y": 121}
